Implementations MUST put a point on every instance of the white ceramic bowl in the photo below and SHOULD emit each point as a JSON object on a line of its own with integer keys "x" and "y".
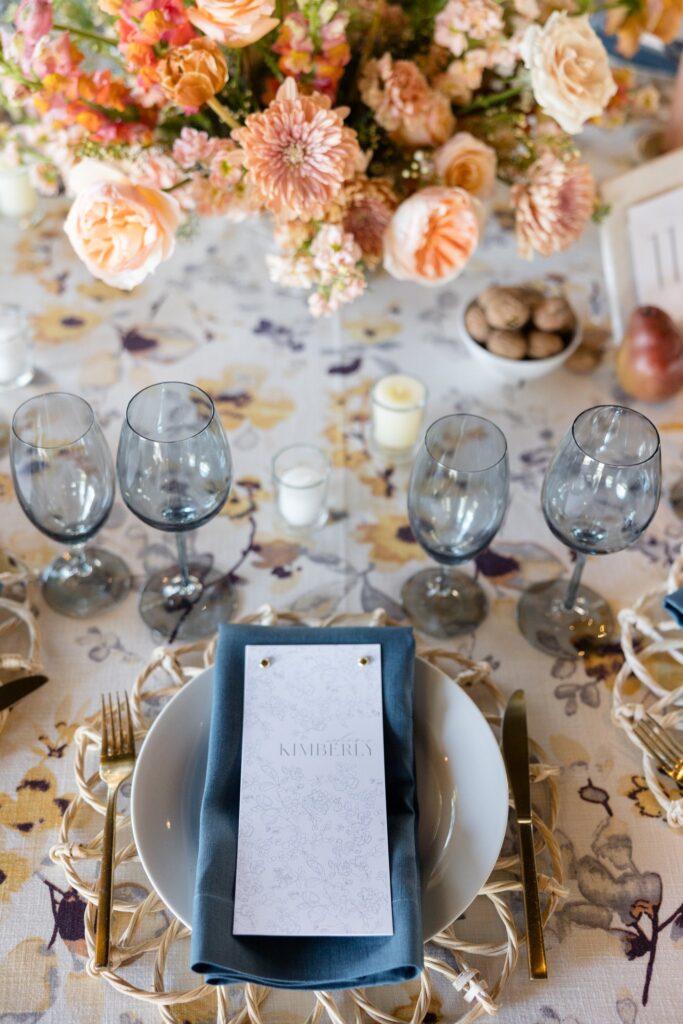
{"x": 514, "y": 370}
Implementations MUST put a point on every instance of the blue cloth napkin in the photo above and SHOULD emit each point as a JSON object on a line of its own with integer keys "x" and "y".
{"x": 674, "y": 605}
{"x": 306, "y": 963}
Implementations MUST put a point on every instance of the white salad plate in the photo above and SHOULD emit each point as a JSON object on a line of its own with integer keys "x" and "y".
{"x": 462, "y": 791}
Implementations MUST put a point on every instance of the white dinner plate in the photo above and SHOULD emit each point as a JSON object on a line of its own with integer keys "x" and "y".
{"x": 462, "y": 790}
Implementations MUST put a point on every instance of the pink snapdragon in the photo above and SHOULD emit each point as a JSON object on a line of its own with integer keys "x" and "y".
{"x": 34, "y": 20}
{"x": 193, "y": 147}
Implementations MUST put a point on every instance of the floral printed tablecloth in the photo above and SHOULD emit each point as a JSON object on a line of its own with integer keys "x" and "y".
{"x": 211, "y": 316}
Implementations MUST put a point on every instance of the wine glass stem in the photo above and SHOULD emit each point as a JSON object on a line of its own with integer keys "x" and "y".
{"x": 80, "y": 560}
{"x": 570, "y": 596}
{"x": 182, "y": 558}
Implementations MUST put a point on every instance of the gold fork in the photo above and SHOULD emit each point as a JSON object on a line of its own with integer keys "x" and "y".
{"x": 117, "y": 760}
{"x": 661, "y": 745}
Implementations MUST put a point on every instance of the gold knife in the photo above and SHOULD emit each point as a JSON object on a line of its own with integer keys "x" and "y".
{"x": 516, "y": 754}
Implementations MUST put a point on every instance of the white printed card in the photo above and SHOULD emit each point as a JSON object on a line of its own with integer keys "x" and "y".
{"x": 656, "y": 236}
{"x": 312, "y": 848}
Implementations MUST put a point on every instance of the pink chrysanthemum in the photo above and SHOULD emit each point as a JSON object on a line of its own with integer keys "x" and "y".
{"x": 553, "y": 205}
{"x": 298, "y": 152}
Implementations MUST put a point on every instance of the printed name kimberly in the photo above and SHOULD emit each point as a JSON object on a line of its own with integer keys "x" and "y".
{"x": 329, "y": 748}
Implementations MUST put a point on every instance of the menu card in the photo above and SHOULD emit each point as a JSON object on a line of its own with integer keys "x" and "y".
{"x": 312, "y": 848}
{"x": 656, "y": 236}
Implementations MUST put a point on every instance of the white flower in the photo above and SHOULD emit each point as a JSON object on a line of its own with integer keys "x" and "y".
{"x": 570, "y": 74}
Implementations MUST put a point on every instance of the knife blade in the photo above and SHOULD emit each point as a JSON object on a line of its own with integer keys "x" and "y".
{"x": 13, "y": 691}
{"x": 516, "y": 754}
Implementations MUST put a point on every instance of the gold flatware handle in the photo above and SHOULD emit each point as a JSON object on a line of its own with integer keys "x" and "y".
{"x": 106, "y": 880}
{"x": 535, "y": 947}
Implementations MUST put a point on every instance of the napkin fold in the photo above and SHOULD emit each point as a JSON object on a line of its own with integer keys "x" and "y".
{"x": 673, "y": 603}
{"x": 300, "y": 962}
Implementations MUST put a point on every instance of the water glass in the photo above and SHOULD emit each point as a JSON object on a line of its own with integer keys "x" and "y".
{"x": 175, "y": 471}
{"x": 457, "y": 498}
{"x": 16, "y": 369}
{"x": 64, "y": 479}
{"x": 600, "y": 492}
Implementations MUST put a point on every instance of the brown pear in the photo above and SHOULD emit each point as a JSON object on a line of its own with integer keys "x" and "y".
{"x": 650, "y": 359}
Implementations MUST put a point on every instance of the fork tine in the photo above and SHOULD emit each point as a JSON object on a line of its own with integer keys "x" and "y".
{"x": 667, "y": 739}
{"x": 114, "y": 743}
{"x": 661, "y": 745}
{"x": 122, "y": 741}
{"x": 652, "y": 745}
{"x": 104, "y": 731}
{"x": 131, "y": 735}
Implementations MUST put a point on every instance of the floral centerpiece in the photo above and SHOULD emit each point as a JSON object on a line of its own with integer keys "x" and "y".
{"x": 371, "y": 132}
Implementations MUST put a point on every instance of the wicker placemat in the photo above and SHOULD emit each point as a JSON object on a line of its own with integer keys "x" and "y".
{"x": 146, "y": 935}
{"x": 650, "y": 680}
{"x": 18, "y": 624}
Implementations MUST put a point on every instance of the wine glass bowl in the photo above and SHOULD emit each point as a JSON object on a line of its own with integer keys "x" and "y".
{"x": 175, "y": 473}
{"x": 600, "y": 492}
{"x": 64, "y": 480}
{"x": 602, "y": 486}
{"x": 457, "y": 498}
{"x": 174, "y": 463}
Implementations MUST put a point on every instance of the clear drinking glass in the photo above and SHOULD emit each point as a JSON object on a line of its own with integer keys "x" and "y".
{"x": 175, "y": 472}
{"x": 16, "y": 368}
{"x": 457, "y": 498}
{"x": 64, "y": 479}
{"x": 600, "y": 492}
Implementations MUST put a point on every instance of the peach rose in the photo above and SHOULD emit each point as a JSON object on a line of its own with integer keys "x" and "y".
{"x": 430, "y": 127}
{"x": 467, "y": 162}
{"x": 191, "y": 75}
{"x": 122, "y": 232}
{"x": 432, "y": 235}
{"x": 570, "y": 75}
{"x": 404, "y": 104}
{"x": 233, "y": 22}
{"x": 90, "y": 171}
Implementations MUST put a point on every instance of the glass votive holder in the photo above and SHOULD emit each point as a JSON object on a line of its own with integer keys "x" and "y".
{"x": 18, "y": 197}
{"x": 16, "y": 367}
{"x": 398, "y": 403}
{"x": 301, "y": 475}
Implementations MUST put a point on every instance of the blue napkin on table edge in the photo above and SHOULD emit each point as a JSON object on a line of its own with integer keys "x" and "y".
{"x": 306, "y": 962}
{"x": 673, "y": 603}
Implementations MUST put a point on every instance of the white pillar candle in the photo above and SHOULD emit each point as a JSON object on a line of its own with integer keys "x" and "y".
{"x": 398, "y": 403}
{"x": 300, "y": 474}
{"x": 15, "y": 349}
{"x": 18, "y": 198}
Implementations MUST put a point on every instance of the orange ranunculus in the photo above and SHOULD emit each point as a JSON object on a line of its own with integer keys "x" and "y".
{"x": 192, "y": 74}
{"x": 432, "y": 235}
{"x": 233, "y": 22}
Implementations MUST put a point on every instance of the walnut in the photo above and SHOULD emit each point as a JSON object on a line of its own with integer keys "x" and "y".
{"x": 542, "y": 344}
{"x": 475, "y": 323}
{"x": 554, "y": 314}
{"x": 506, "y": 311}
{"x": 584, "y": 360}
{"x": 510, "y": 344}
{"x": 488, "y": 295}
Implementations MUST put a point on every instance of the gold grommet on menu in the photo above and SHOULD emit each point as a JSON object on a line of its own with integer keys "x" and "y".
{"x": 363, "y": 661}
{"x": 264, "y": 662}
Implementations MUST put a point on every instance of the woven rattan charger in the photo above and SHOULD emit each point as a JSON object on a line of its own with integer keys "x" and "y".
{"x": 147, "y": 938}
